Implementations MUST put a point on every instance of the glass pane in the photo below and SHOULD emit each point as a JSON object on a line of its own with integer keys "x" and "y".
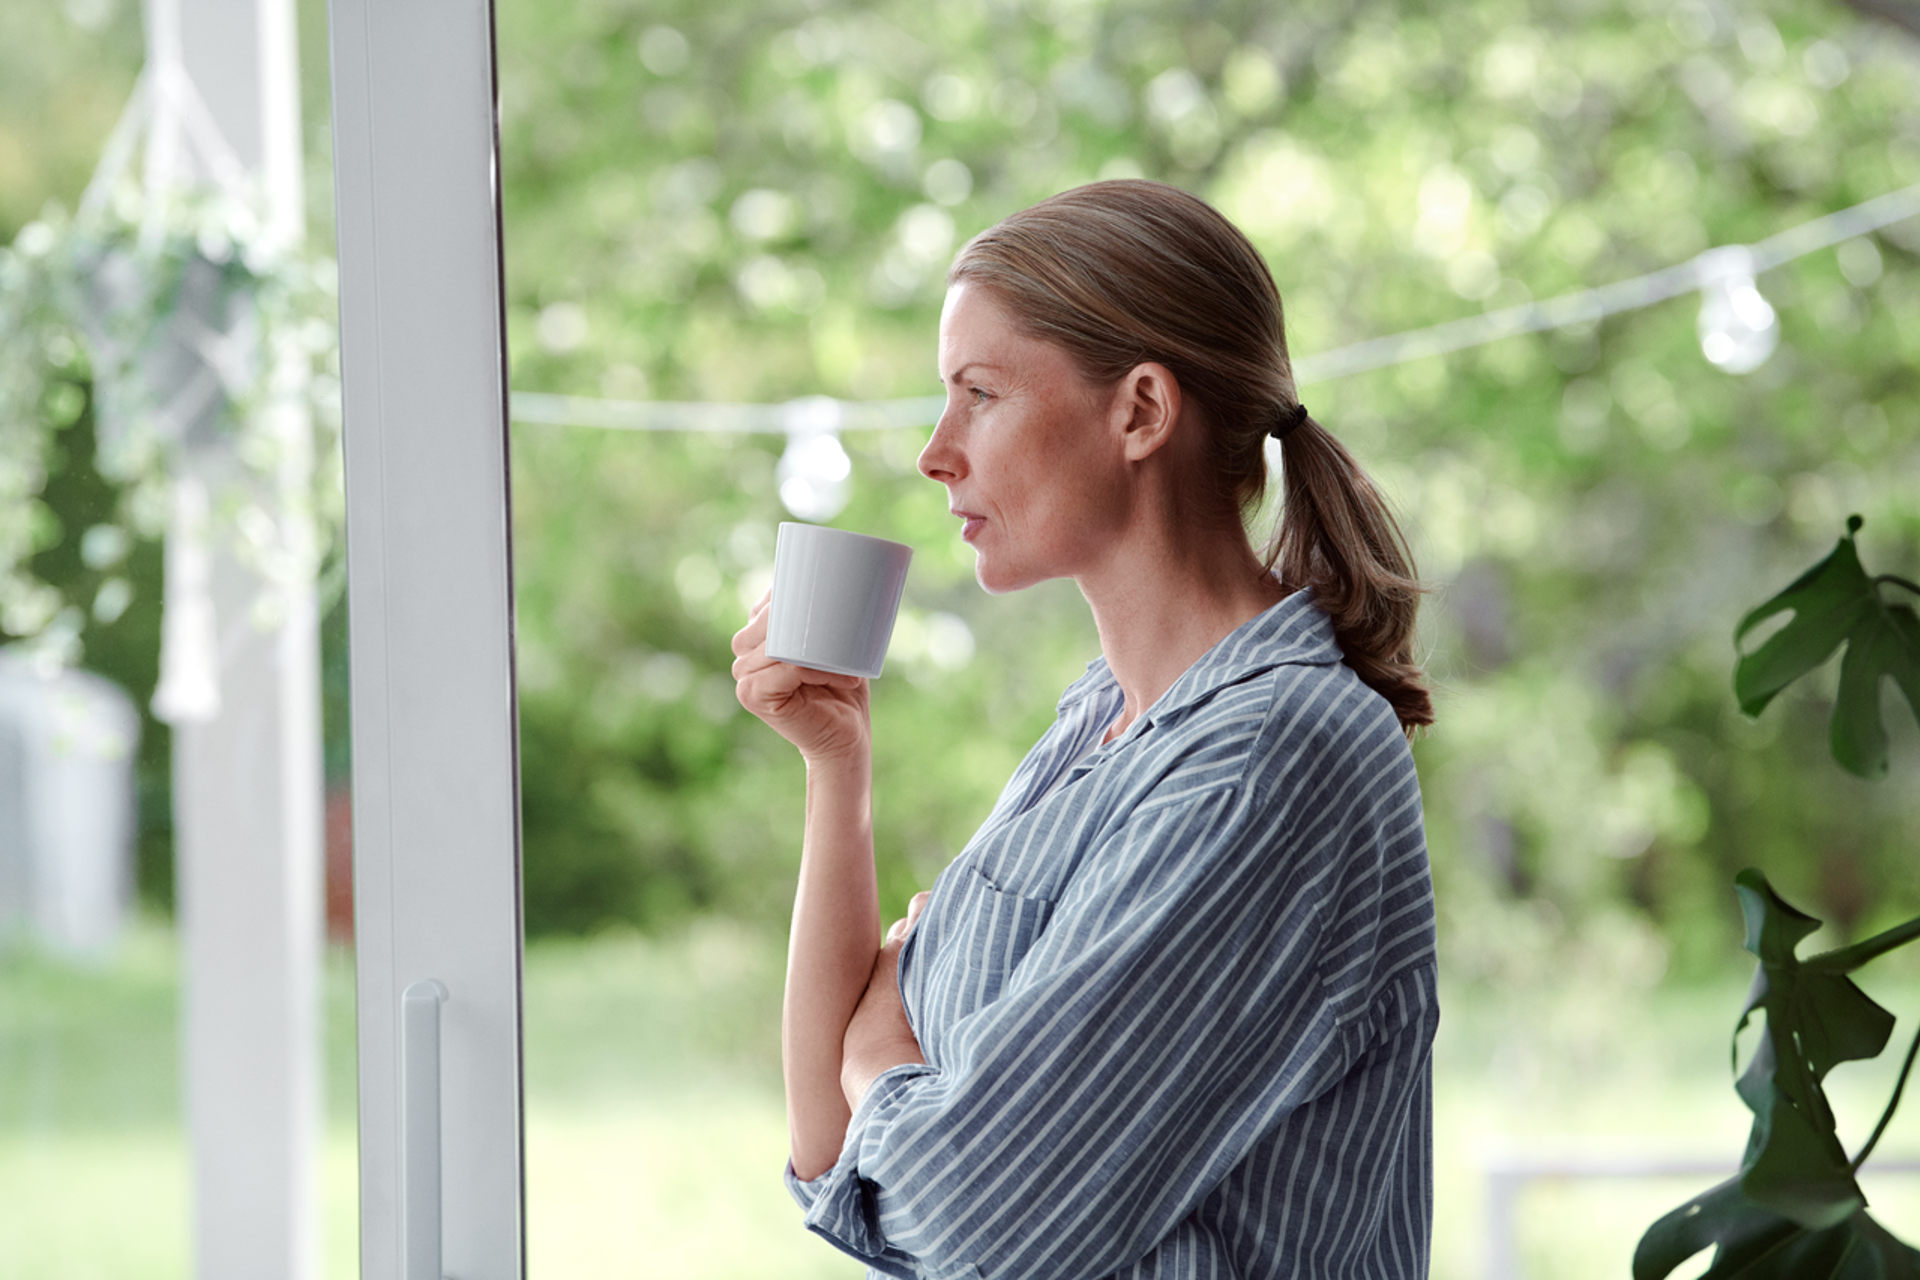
{"x": 750, "y": 205}
{"x": 684, "y": 224}
{"x": 96, "y": 1161}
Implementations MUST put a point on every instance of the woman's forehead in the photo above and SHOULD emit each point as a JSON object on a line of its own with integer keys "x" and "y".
{"x": 976, "y": 328}
{"x": 967, "y": 304}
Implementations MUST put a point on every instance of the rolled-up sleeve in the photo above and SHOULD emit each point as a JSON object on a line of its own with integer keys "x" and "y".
{"x": 839, "y": 1208}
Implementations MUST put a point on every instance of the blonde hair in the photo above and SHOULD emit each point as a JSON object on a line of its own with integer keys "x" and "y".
{"x": 1121, "y": 273}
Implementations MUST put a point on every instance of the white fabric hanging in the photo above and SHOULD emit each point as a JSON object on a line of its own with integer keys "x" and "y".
{"x": 189, "y": 689}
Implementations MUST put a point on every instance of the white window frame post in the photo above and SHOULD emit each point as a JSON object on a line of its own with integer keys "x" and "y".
{"x": 246, "y": 743}
{"x": 435, "y": 777}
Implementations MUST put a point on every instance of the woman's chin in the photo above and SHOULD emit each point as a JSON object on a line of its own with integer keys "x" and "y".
{"x": 988, "y": 583}
{"x": 999, "y": 580}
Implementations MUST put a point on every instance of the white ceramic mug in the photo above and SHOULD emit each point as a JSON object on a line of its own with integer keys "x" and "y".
{"x": 835, "y": 596}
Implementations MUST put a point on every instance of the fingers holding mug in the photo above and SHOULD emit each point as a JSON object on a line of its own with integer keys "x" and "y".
{"x": 754, "y": 635}
{"x": 802, "y": 661}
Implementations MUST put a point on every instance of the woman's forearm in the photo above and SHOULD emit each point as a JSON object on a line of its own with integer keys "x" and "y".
{"x": 836, "y": 934}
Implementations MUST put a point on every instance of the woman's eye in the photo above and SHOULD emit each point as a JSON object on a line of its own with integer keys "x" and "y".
{"x": 980, "y": 396}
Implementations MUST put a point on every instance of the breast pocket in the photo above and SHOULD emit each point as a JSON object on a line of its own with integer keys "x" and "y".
{"x": 975, "y": 935}
{"x": 999, "y": 926}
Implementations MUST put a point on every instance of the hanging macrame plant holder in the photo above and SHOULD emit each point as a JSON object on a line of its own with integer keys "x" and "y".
{"x": 162, "y": 273}
{"x": 171, "y": 358}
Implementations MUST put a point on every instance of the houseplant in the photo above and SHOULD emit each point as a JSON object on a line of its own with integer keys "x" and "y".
{"x": 1795, "y": 1211}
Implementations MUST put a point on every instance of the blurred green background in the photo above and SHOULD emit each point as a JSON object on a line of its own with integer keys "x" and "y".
{"x": 757, "y": 201}
{"x": 753, "y": 204}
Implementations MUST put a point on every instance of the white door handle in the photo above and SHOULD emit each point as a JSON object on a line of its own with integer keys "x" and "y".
{"x": 420, "y": 1126}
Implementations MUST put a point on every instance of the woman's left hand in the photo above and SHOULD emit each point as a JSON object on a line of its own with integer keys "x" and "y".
{"x": 880, "y": 1037}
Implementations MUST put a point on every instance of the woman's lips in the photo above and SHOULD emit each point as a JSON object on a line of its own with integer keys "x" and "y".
{"x": 972, "y": 526}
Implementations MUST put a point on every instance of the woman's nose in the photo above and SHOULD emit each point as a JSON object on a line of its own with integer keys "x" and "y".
{"x": 940, "y": 460}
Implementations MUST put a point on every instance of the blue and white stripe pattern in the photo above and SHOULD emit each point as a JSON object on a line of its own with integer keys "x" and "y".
{"x": 1177, "y": 999}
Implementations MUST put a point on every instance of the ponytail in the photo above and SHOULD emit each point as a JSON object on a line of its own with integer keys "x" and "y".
{"x": 1338, "y": 540}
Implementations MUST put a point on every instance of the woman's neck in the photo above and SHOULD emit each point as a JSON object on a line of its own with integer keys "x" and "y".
{"x": 1159, "y": 607}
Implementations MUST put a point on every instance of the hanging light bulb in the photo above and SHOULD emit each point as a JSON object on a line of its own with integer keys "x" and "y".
{"x": 815, "y": 475}
{"x": 1738, "y": 329}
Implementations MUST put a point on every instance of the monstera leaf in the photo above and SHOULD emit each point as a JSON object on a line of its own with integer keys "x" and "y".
{"x": 1836, "y": 603}
{"x": 1795, "y": 1210}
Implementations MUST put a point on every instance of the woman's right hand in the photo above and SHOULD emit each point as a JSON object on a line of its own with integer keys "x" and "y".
{"x": 823, "y": 714}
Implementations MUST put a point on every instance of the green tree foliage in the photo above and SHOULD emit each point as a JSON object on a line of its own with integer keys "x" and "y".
{"x": 752, "y": 202}
{"x": 65, "y": 72}
{"x": 756, "y": 203}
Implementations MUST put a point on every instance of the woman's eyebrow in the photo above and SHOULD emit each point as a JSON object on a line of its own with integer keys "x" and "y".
{"x": 959, "y": 373}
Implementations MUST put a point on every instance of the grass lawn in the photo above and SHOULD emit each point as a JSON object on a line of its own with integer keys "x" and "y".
{"x": 655, "y": 1135}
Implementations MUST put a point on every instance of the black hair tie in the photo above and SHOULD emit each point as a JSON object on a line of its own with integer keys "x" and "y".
{"x": 1292, "y": 423}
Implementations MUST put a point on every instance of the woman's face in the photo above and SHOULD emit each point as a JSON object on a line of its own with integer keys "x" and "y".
{"x": 1026, "y": 448}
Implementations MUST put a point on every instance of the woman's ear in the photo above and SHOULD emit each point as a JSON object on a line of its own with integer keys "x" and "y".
{"x": 1146, "y": 409}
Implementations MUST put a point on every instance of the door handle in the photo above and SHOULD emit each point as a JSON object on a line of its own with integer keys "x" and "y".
{"x": 420, "y": 1127}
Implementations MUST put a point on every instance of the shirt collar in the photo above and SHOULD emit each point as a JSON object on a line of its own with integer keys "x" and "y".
{"x": 1291, "y": 633}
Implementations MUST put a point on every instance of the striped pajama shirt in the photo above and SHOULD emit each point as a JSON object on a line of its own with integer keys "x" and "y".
{"x": 1176, "y": 998}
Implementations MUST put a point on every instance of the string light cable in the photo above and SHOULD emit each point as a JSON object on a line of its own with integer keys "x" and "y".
{"x": 1737, "y": 326}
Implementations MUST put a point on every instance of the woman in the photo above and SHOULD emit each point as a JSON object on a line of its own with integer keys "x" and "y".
{"x": 1169, "y": 1013}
